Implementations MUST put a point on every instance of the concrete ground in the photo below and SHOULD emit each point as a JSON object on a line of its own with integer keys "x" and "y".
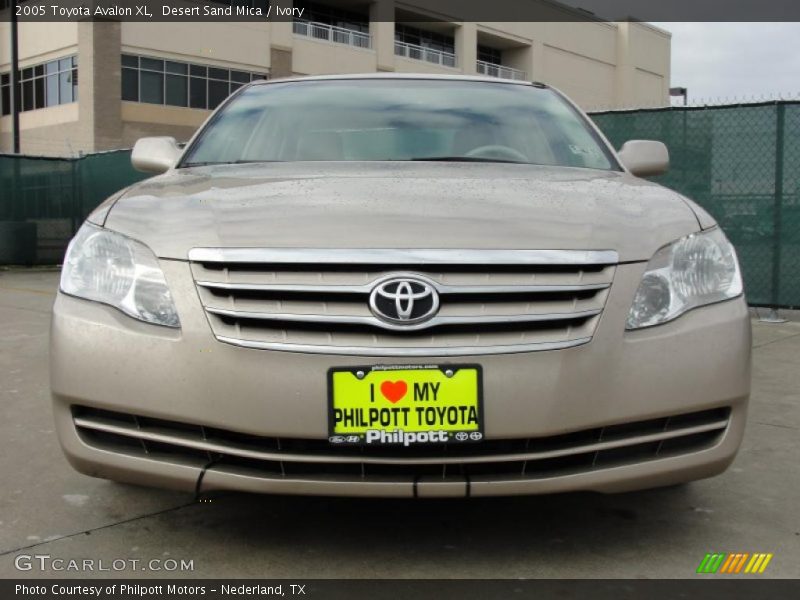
{"x": 48, "y": 509}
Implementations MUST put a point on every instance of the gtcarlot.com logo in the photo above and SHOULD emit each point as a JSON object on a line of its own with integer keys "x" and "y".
{"x": 46, "y": 562}
{"x": 734, "y": 563}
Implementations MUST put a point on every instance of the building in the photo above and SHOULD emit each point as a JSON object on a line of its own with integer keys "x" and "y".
{"x": 91, "y": 86}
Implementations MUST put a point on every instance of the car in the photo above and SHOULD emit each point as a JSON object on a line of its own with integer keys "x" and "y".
{"x": 400, "y": 285}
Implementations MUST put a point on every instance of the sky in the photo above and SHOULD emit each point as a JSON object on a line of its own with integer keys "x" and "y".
{"x": 737, "y": 61}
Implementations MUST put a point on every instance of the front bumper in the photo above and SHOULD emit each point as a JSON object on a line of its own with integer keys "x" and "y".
{"x": 103, "y": 360}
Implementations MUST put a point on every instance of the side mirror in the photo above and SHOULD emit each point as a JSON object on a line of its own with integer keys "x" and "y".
{"x": 644, "y": 157}
{"x": 155, "y": 154}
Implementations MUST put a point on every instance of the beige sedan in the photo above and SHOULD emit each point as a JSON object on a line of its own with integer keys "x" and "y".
{"x": 400, "y": 285}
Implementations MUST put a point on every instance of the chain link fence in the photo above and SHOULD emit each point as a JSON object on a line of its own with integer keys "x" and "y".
{"x": 44, "y": 200}
{"x": 740, "y": 162}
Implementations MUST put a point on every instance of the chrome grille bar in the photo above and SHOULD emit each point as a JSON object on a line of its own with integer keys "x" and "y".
{"x": 385, "y": 256}
{"x": 375, "y": 322}
{"x": 367, "y": 288}
{"x": 403, "y": 351}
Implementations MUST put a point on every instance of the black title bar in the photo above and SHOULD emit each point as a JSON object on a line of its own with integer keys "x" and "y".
{"x": 708, "y": 587}
{"x": 416, "y": 10}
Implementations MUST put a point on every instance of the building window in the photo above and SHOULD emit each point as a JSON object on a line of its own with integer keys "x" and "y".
{"x": 425, "y": 39}
{"x": 172, "y": 83}
{"x": 493, "y": 56}
{"x": 46, "y": 84}
{"x": 5, "y": 94}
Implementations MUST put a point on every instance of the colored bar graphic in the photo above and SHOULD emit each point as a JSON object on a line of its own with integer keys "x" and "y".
{"x": 759, "y": 563}
{"x": 704, "y": 564}
{"x": 734, "y": 563}
{"x": 729, "y": 563}
{"x": 711, "y": 563}
{"x": 767, "y": 558}
{"x": 753, "y": 564}
{"x": 741, "y": 562}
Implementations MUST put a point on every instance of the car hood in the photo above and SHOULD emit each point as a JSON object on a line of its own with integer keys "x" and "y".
{"x": 399, "y": 205}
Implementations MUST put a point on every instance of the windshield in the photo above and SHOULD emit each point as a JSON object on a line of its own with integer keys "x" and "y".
{"x": 399, "y": 120}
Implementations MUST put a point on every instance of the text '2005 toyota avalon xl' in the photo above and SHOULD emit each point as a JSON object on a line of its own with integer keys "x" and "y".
{"x": 400, "y": 286}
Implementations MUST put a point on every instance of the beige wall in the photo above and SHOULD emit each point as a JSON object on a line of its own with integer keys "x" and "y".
{"x": 239, "y": 45}
{"x": 38, "y": 42}
{"x": 580, "y": 60}
{"x": 99, "y": 83}
{"x": 132, "y": 131}
{"x": 53, "y": 131}
{"x": 313, "y": 57}
{"x": 650, "y": 52}
{"x": 588, "y": 81}
{"x": 141, "y": 120}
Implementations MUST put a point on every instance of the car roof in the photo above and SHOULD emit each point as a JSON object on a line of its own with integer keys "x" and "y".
{"x": 400, "y": 76}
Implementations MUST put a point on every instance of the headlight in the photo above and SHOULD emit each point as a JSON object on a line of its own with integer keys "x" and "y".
{"x": 693, "y": 271}
{"x": 107, "y": 267}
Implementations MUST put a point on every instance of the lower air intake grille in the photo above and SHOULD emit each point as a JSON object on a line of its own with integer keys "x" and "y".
{"x": 530, "y": 458}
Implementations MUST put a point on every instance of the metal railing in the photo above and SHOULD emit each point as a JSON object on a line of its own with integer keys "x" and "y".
{"x": 493, "y": 70}
{"x": 330, "y": 33}
{"x": 414, "y": 52}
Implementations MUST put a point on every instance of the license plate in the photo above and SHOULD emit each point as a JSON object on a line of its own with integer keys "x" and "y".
{"x": 405, "y": 405}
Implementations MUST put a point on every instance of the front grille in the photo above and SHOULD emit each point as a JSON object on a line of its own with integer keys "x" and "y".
{"x": 573, "y": 452}
{"x": 318, "y": 300}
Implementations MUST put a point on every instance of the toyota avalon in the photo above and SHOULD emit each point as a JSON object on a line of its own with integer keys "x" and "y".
{"x": 400, "y": 285}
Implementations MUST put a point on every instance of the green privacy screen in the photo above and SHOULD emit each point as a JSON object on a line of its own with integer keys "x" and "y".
{"x": 741, "y": 163}
{"x": 44, "y": 200}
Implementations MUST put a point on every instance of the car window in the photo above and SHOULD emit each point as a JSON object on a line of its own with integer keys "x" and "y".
{"x": 399, "y": 120}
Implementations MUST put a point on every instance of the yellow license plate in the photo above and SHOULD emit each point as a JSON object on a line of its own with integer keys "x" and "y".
{"x": 405, "y": 405}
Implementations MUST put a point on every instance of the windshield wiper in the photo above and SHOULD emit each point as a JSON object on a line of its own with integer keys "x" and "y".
{"x": 226, "y": 162}
{"x": 467, "y": 159}
{"x": 422, "y": 159}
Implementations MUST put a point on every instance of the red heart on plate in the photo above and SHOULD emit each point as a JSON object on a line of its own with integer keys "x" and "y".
{"x": 394, "y": 390}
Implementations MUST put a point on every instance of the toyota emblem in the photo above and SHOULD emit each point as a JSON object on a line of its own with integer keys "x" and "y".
{"x": 404, "y": 300}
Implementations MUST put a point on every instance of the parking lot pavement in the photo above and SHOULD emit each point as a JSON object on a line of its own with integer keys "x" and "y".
{"x": 48, "y": 509}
